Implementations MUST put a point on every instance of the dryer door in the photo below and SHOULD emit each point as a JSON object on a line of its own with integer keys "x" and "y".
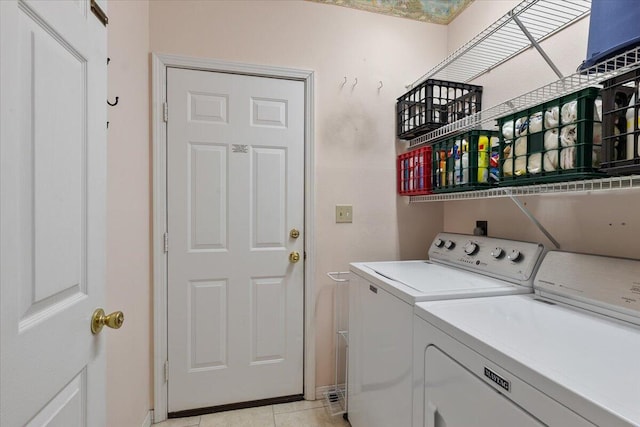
{"x": 454, "y": 397}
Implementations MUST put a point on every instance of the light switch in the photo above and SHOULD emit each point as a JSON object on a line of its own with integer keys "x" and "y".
{"x": 344, "y": 213}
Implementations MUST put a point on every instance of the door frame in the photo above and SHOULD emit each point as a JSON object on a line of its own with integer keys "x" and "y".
{"x": 160, "y": 63}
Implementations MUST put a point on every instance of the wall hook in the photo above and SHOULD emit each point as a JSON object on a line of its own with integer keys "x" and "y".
{"x": 380, "y": 87}
{"x": 344, "y": 82}
{"x": 115, "y": 102}
{"x": 356, "y": 82}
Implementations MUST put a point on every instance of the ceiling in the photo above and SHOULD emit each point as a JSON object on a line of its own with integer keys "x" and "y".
{"x": 435, "y": 11}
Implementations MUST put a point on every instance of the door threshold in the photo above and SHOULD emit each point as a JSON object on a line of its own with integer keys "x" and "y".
{"x": 233, "y": 406}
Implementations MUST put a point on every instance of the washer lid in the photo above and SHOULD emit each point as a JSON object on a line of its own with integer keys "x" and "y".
{"x": 585, "y": 361}
{"x": 429, "y": 278}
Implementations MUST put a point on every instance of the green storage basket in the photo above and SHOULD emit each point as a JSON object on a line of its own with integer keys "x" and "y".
{"x": 559, "y": 140}
{"x": 464, "y": 162}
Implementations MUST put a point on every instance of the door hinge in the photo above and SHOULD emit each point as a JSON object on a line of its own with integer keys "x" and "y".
{"x": 166, "y": 242}
{"x": 165, "y": 111}
{"x": 166, "y": 371}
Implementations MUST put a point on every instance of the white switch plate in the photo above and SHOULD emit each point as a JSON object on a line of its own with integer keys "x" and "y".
{"x": 344, "y": 213}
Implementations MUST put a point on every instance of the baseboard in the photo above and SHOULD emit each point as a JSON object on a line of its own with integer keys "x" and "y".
{"x": 147, "y": 419}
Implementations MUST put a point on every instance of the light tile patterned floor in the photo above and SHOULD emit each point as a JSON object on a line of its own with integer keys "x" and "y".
{"x": 295, "y": 414}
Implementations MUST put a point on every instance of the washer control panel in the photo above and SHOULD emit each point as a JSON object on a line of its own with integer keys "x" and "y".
{"x": 510, "y": 260}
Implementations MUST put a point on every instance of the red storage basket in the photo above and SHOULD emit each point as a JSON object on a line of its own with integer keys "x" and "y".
{"x": 414, "y": 172}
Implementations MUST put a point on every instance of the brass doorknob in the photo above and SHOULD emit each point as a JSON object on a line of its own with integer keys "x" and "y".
{"x": 294, "y": 257}
{"x": 294, "y": 233}
{"x": 99, "y": 320}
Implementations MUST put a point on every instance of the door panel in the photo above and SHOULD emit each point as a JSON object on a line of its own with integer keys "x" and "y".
{"x": 268, "y": 332}
{"x": 268, "y": 213}
{"x": 208, "y": 308}
{"x": 55, "y": 171}
{"x": 52, "y": 213}
{"x": 269, "y": 112}
{"x": 66, "y": 408}
{"x": 208, "y": 197}
{"x": 235, "y": 168}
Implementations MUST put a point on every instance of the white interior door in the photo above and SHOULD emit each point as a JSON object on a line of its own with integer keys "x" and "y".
{"x": 52, "y": 212}
{"x": 235, "y": 191}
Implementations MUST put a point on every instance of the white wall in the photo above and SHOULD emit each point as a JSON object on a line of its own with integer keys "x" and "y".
{"x": 129, "y": 380}
{"x": 598, "y": 223}
{"x": 354, "y": 133}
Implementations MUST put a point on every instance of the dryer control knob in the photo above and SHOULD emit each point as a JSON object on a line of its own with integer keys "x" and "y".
{"x": 514, "y": 255}
{"x": 449, "y": 244}
{"x": 439, "y": 243}
{"x": 497, "y": 253}
{"x": 470, "y": 248}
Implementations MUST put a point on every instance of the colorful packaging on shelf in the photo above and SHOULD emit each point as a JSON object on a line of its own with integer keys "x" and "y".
{"x": 463, "y": 162}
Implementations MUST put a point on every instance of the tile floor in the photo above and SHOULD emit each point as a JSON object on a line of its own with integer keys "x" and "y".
{"x": 295, "y": 414}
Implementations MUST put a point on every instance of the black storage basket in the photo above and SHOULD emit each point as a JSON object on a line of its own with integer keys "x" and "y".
{"x": 620, "y": 105}
{"x": 434, "y": 103}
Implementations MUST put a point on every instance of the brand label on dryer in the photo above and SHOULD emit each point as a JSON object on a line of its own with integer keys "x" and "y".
{"x": 497, "y": 379}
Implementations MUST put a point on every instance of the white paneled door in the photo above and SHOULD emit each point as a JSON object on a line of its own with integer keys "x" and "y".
{"x": 52, "y": 212}
{"x": 235, "y": 201}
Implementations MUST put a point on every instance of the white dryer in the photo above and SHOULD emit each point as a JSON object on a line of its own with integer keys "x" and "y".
{"x": 568, "y": 355}
{"x": 381, "y": 305}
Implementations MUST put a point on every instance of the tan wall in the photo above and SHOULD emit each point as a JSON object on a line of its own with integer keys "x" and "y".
{"x": 598, "y": 223}
{"x": 129, "y": 356}
{"x": 354, "y": 133}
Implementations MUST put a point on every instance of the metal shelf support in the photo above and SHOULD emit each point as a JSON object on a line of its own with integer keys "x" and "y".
{"x": 532, "y": 218}
{"x": 535, "y": 44}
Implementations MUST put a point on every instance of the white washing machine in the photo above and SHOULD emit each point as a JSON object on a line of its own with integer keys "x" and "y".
{"x": 381, "y": 306}
{"x": 568, "y": 355}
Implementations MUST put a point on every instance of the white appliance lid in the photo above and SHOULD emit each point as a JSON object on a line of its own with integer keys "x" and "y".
{"x": 607, "y": 285}
{"x": 591, "y": 356}
{"x": 426, "y": 277}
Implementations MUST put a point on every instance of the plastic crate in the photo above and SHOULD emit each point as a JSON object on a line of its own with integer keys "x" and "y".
{"x": 467, "y": 161}
{"x": 434, "y": 103}
{"x": 414, "y": 172}
{"x": 620, "y": 105}
{"x": 559, "y": 140}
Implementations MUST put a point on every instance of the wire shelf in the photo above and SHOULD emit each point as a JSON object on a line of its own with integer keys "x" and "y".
{"x": 581, "y": 187}
{"x": 591, "y": 77}
{"x": 335, "y": 400}
{"x": 339, "y": 276}
{"x": 336, "y": 397}
{"x": 505, "y": 39}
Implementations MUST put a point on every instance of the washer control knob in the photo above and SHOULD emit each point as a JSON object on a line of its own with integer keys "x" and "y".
{"x": 514, "y": 255}
{"x": 449, "y": 244}
{"x": 439, "y": 243}
{"x": 470, "y": 248}
{"x": 497, "y": 253}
